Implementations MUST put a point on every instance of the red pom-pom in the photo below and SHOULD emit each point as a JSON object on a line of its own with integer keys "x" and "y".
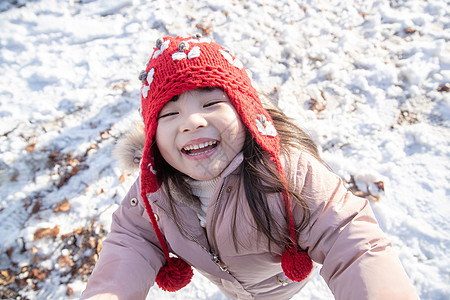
{"x": 296, "y": 265}
{"x": 174, "y": 275}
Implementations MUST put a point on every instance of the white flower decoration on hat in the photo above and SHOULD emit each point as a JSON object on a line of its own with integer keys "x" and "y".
{"x": 164, "y": 46}
{"x": 179, "y": 56}
{"x": 150, "y": 167}
{"x": 145, "y": 89}
{"x": 265, "y": 127}
{"x": 238, "y": 64}
{"x": 195, "y": 52}
{"x": 227, "y": 56}
{"x": 150, "y": 76}
{"x": 235, "y": 62}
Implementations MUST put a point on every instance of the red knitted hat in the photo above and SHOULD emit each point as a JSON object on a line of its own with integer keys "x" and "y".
{"x": 180, "y": 64}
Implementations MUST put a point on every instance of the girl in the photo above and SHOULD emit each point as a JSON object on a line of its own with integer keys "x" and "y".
{"x": 236, "y": 191}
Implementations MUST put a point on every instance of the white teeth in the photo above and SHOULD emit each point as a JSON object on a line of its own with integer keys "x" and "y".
{"x": 199, "y": 146}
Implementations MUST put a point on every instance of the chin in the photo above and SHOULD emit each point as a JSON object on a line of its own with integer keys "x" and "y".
{"x": 202, "y": 177}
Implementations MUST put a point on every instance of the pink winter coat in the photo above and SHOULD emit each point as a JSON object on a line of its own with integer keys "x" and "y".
{"x": 343, "y": 235}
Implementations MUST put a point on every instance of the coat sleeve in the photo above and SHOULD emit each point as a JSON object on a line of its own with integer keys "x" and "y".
{"x": 343, "y": 235}
{"x": 129, "y": 260}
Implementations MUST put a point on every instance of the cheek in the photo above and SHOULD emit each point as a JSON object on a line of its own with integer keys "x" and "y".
{"x": 239, "y": 130}
{"x": 236, "y": 134}
{"x": 232, "y": 124}
{"x": 240, "y": 139}
{"x": 162, "y": 143}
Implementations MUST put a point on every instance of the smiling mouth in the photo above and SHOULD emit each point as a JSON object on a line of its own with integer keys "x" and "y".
{"x": 199, "y": 148}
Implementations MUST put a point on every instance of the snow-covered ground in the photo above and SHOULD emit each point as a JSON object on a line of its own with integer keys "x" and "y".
{"x": 369, "y": 80}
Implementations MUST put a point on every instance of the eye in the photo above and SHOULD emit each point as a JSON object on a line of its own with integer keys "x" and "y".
{"x": 165, "y": 115}
{"x": 212, "y": 103}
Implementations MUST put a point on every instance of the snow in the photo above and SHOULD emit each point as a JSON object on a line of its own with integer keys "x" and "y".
{"x": 369, "y": 80}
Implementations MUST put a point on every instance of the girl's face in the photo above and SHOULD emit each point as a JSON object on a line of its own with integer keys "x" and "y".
{"x": 200, "y": 133}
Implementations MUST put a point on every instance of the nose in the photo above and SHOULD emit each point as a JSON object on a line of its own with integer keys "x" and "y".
{"x": 193, "y": 122}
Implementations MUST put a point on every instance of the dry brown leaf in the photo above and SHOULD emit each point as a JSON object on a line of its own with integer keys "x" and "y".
{"x": 14, "y": 176}
{"x": 317, "y": 105}
{"x": 53, "y": 155}
{"x": 359, "y": 193}
{"x": 5, "y": 273}
{"x": 380, "y": 185}
{"x": 92, "y": 243}
{"x": 62, "y": 206}
{"x": 69, "y": 291}
{"x": 46, "y": 232}
{"x": 78, "y": 231}
{"x": 30, "y": 147}
{"x": 407, "y": 117}
{"x": 92, "y": 147}
{"x": 105, "y": 134}
{"x": 74, "y": 161}
{"x": 409, "y": 30}
{"x": 122, "y": 86}
{"x": 122, "y": 178}
{"x": 41, "y": 275}
{"x": 444, "y": 87}
{"x": 205, "y": 29}
{"x": 99, "y": 245}
{"x": 65, "y": 260}
{"x": 373, "y": 198}
{"x": 7, "y": 277}
{"x": 36, "y": 207}
{"x": 74, "y": 171}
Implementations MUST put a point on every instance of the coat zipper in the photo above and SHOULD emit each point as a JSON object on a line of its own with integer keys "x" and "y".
{"x": 214, "y": 257}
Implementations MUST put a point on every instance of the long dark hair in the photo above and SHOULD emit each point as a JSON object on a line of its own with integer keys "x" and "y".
{"x": 258, "y": 171}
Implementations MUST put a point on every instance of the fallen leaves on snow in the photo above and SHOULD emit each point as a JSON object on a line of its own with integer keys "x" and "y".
{"x": 368, "y": 193}
{"x": 76, "y": 253}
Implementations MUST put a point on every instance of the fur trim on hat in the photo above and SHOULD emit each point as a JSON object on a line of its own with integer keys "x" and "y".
{"x": 128, "y": 154}
{"x": 129, "y": 148}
